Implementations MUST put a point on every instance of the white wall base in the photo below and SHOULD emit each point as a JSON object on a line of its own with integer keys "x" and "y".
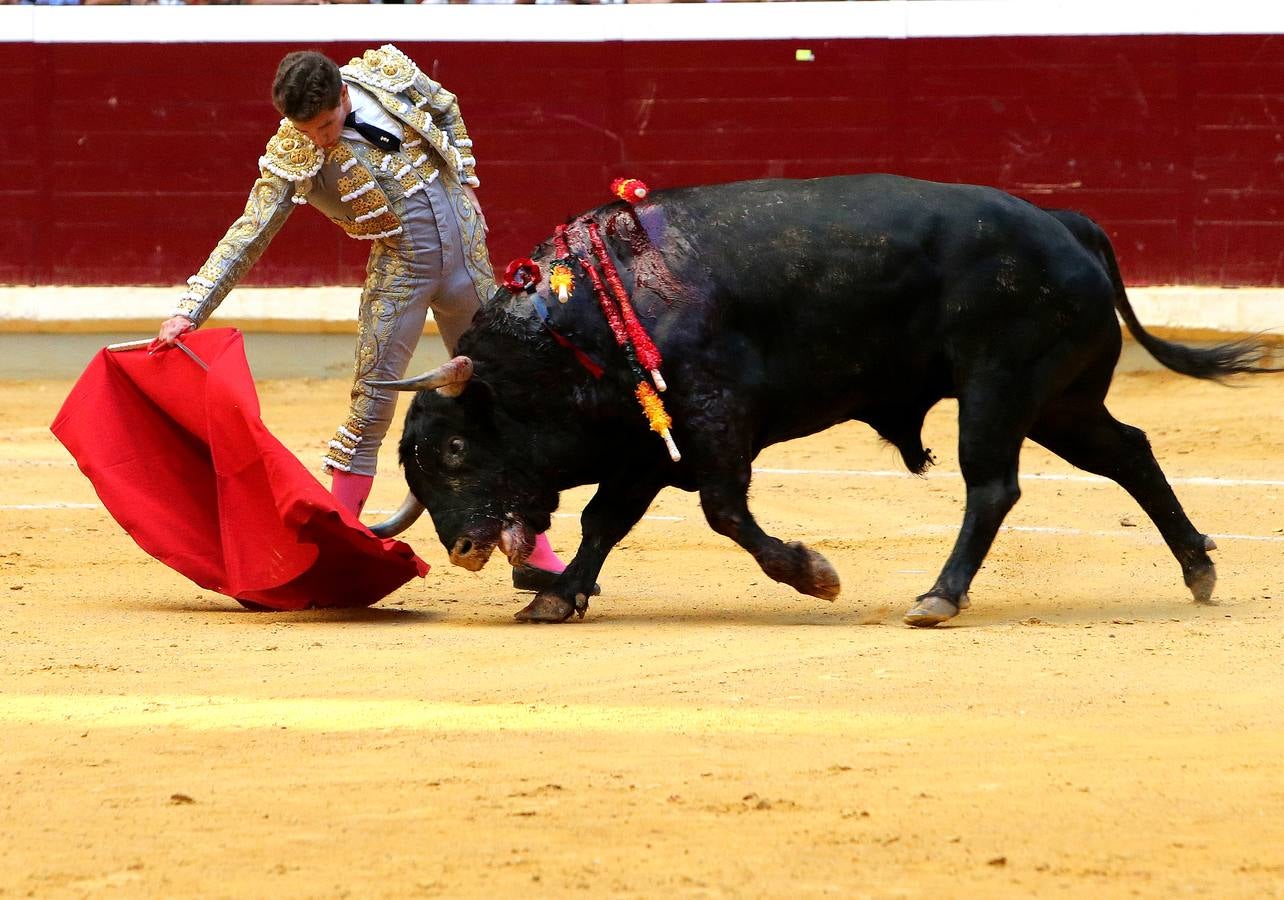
{"x": 1199, "y": 311}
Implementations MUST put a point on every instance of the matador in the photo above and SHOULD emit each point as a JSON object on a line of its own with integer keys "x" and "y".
{"x": 381, "y": 150}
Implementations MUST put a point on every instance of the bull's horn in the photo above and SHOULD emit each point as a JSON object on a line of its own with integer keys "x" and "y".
{"x": 411, "y": 510}
{"x": 449, "y": 379}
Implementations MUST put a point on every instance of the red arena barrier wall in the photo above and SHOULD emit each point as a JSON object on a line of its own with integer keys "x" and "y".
{"x": 126, "y": 159}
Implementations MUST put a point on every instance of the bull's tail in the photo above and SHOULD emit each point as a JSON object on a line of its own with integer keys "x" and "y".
{"x": 1247, "y": 355}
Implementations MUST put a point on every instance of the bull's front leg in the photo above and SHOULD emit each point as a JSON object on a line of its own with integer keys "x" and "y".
{"x": 726, "y": 508}
{"x": 616, "y": 507}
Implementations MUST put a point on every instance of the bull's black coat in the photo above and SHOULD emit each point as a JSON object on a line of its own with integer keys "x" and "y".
{"x": 799, "y": 305}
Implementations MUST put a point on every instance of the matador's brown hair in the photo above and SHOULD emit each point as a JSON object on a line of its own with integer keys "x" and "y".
{"x": 306, "y": 83}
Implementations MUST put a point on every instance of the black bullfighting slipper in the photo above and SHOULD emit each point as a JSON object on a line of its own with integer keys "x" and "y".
{"x": 530, "y": 578}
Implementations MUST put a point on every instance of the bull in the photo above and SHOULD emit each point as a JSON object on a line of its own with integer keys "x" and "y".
{"x": 782, "y": 308}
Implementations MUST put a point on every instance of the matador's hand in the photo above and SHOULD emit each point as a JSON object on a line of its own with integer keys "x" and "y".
{"x": 170, "y": 330}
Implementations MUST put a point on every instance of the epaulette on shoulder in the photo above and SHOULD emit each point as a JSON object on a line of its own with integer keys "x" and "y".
{"x": 291, "y": 154}
{"x": 387, "y": 68}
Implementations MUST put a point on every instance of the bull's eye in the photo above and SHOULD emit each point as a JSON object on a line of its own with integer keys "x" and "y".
{"x": 456, "y": 448}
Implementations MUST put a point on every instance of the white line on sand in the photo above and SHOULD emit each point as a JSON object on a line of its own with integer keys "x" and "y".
{"x": 1194, "y": 480}
{"x": 1143, "y": 533}
{"x": 1201, "y": 480}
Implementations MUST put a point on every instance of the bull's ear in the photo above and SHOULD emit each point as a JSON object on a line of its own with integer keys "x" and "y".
{"x": 479, "y": 401}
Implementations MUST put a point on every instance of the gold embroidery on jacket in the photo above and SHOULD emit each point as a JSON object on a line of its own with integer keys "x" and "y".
{"x": 387, "y": 68}
{"x": 384, "y": 225}
{"x": 291, "y": 154}
{"x": 370, "y": 205}
{"x": 423, "y": 124}
{"x": 430, "y": 109}
{"x": 357, "y": 182}
{"x": 341, "y": 155}
{"x": 418, "y": 99}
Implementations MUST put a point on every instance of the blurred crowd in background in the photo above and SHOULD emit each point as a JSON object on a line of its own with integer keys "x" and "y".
{"x": 310, "y": 2}
{"x": 313, "y": 2}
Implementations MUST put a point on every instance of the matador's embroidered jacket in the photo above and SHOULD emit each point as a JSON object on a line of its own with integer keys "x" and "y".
{"x": 357, "y": 186}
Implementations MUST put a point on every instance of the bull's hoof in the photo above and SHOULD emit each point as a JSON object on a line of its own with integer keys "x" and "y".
{"x": 811, "y": 575}
{"x": 932, "y": 610}
{"x": 824, "y": 577}
{"x": 549, "y": 607}
{"x": 1201, "y": 582}
{"x": 530, "y": 578}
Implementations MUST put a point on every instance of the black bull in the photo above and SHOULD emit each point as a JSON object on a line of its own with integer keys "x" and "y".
{"x": 782, "y": 308}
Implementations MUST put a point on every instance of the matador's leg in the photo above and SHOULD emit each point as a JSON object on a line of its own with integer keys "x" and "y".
{"x": 394, "y": 306}
{"x": 467, "y": 279}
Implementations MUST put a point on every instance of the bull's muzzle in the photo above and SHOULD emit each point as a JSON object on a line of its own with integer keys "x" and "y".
{"x": 470, "y": 553}
{"x": 514, "y": 540}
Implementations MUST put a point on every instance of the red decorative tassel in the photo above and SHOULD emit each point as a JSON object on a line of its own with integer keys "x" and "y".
{"x": 630, "y": 189}
{"x": 648, "y": 353}
{"x": 618, "y": 311}
{"x": 608, "y": 308}
{"x": 521, "y": 275}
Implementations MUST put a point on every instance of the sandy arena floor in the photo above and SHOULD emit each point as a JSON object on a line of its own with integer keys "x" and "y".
{"x": 1084, "y": 730}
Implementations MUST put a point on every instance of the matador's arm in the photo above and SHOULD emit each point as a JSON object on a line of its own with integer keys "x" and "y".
{"x": 265, "y": 212}
{"x": 285, "y": 176}
{"x": 444, "y": 108}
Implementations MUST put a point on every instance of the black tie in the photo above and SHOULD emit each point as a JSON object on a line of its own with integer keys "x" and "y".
{"x": 373, "y": 133}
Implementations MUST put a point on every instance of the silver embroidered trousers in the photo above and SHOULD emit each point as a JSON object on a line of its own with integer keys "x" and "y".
{"x": 438, "y": 262}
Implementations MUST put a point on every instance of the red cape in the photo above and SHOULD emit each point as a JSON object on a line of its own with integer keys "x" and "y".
{"x": 181, "y": 459}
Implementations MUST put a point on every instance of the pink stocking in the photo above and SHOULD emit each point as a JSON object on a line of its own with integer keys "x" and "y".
{"x": 543, "y": 557}
{"x": 351, "y": 490}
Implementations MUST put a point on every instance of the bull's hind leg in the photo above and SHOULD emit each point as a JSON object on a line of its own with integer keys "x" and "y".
{"x": 1095, "y": 441}
{"x": 992, "y": 423}
{"x": 795, "y": 564}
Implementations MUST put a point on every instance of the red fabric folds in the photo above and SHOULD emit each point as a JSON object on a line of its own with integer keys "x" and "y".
{"x": 181, "y": 459}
